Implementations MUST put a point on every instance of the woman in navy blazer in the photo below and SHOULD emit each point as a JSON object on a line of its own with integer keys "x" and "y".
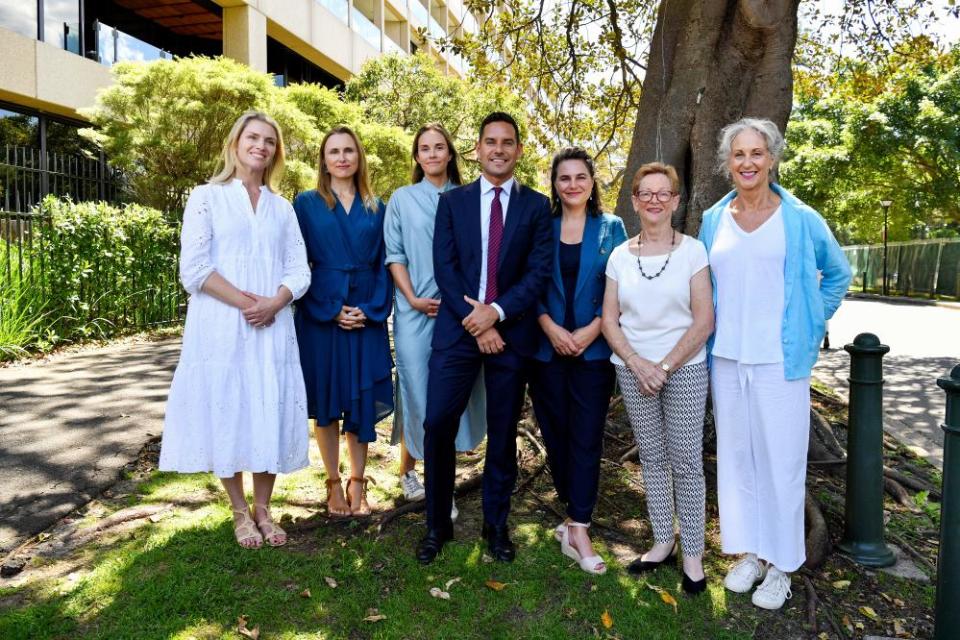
{"x": 572, "y": 377}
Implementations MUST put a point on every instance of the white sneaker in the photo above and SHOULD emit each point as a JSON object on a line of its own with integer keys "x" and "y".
{"x": 454, "y": 512}
{"x": 412, "y": 487}
{"x": 774, "y": 591}
{"x": 744, "y": 575}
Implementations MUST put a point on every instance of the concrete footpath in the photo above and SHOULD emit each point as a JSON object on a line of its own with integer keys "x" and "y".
{"x": 924, "y": 341}
{"x": 70, "y": 422}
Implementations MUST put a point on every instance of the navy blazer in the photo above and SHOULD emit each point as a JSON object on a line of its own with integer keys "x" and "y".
{"x": 522, "y": 274}
{"x": 601, "y": 234}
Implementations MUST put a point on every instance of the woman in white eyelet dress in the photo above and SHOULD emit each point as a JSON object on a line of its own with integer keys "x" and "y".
{"x": 237, "y": 402}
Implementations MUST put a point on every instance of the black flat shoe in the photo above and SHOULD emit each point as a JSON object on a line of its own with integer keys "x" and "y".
{"x": 431, "y": 545}
{"x": 639, "y": 566}
{"x": 693, "y": 587}
{"x": 498, "y": 542}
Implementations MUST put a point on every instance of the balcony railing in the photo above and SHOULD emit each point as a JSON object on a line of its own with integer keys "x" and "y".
{"x": 419, "y": 12}
{"x": 389, "y": 46}
{"x": 365, "y": 27}
{"x": 115, "y": 46}
{"x": 339, "y": 8}
{"x": 435, "y": 29}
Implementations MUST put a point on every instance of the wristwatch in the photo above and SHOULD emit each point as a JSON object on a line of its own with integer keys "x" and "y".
{"x": 665, "y": 366}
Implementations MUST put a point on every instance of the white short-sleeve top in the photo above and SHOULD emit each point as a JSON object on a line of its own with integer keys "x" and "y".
{"x": 654, "y": 314}
{"x": 748, "y": 268}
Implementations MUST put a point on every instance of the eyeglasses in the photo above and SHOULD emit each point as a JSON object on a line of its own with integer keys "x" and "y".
{"x": 647, "y": 196}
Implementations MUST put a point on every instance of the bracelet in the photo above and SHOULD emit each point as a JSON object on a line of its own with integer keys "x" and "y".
{"x": 627, "y": 360}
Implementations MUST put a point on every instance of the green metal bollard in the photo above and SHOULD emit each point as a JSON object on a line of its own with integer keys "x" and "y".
{"x": 947, "y": 613}
{"x": 863, "y": 531}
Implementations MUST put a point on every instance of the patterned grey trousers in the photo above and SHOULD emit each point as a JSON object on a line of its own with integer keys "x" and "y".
{"x": 669, "y": 432}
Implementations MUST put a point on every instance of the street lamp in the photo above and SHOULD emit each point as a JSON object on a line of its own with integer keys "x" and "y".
{"x": 886, "y": 208}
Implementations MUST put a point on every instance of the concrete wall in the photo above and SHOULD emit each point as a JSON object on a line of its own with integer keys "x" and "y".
{"x": 39, "y": 75}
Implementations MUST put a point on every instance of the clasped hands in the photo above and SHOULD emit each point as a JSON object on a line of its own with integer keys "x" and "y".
{"x": 351, "y": 318}
{"x": 262, "y": 310}
{"x": 479, "y": 323}
{"x": 650, "y": 376}
{"x": 568, "y": 343}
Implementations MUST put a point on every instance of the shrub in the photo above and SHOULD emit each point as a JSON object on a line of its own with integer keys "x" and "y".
{"x": 96, "y": 271}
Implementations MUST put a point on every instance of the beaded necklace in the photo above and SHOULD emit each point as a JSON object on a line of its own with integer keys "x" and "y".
{"x": 673, "y": 238}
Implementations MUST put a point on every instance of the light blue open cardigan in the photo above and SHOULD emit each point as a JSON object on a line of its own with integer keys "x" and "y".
{"x": 808, "y": 301}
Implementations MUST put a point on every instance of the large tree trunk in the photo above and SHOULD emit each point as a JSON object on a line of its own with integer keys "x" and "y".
{"x": 711, "y": 62}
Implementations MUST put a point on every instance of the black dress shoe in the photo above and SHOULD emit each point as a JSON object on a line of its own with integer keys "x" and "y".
{"x": 693, "y": 587}
{"x": 498, "y": 542}
{"x": 639, "y": 566}
{"x": 429, "y": 548}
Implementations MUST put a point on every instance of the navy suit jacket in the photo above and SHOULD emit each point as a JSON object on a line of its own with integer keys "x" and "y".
{"x": 526, "y": 256}
{"x": 601, "y": 235}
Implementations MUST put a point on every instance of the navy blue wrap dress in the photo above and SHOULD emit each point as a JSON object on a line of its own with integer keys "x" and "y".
{"x": 347, "y": 373}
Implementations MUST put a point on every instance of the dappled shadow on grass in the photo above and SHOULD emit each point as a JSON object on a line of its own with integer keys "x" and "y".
{"x": 185, "y": 577}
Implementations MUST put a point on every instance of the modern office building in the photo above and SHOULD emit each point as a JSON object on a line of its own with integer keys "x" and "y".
{"x": 56, "y": 54}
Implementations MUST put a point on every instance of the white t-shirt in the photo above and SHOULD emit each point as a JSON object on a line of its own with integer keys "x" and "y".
{"x": 748, "y": 268}
{"x": 654, "y": 314}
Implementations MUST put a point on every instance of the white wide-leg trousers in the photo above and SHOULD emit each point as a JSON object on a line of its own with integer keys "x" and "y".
{"x": 763, "y": 423}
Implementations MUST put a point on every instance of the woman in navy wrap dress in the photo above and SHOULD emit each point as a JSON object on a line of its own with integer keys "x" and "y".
{"x": 341, "y": 321}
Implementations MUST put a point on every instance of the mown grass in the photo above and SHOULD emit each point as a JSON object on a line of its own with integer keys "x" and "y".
{"x": 184, "y": 577}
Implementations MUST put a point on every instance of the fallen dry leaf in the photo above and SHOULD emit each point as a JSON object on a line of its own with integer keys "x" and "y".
{"x": 899, "y": 630}
{"x": 330, "y": 582}
{"x": 496, "y": 586}
{"x": 606, "y": 619}
{"x": 451, "y": 582}
{"x": 847, "y": 623}
{"x": 437, "y": 592}
{"x": 246, "y": 632}
{"x": 841, "y": 584}
{"x": 900, "y": 603}
{"x": 869, "y": 612}
{"x": 305, "y": 593}
{"x": 664, "y": 595}
{"x": 823, "y": 635}
{"x": 374, "y": 615}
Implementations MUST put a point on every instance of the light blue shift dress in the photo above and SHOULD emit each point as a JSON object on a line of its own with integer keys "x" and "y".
{"x": 408, "y": 236}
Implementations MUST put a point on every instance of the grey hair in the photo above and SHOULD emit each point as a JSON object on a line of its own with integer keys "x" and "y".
{"x": 766, "y": 128}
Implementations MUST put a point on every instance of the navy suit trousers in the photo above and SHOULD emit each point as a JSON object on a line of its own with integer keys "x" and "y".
{"x": 453, "y": 372}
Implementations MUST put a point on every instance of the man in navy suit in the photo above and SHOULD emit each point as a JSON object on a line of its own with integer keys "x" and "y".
{"x": 492, "y": 255}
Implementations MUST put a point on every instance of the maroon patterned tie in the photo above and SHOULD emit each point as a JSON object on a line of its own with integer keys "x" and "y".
{"x": 493, "y": 245}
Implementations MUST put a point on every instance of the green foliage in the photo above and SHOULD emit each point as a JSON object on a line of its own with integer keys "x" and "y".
{"x": 163, "y": 123}
{"x": 871, "y": 131}
{"x": 21, "y": 311}
{"x": 409, "y": 91}
{"x": 93, "y": 271}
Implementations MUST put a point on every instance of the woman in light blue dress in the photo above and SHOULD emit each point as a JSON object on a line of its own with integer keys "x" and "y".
{"x": 408, "y": 235}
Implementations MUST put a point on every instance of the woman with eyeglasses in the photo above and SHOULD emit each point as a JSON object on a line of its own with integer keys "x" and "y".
{"x": 657, "y": 316}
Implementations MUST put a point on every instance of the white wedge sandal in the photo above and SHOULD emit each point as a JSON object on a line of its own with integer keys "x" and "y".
{"x": 590, "y": 564}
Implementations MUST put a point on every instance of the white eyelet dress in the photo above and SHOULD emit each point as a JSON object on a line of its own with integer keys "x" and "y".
{"x": 237, "y": 402}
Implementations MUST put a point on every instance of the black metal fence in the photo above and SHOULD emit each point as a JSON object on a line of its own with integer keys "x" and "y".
{"x": 116, "y": 279}
{"x": 918, "y": 268}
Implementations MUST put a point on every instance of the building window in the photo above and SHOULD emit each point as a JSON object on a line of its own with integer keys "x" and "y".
{"x": 61, "y": 24}
{"x": 288, "y": 66}
{"x": 19, "y": 16}
{"x": 40, "y": 156}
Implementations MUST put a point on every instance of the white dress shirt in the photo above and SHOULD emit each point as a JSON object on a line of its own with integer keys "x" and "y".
{"x": 486, "y": 202}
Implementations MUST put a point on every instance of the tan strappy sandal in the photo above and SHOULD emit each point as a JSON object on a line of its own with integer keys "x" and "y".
{"x": 364, "y": 508}
{"x": 246, "y": 529}
{"x": 271, "y": 530}
{"x": 337, "y": 482}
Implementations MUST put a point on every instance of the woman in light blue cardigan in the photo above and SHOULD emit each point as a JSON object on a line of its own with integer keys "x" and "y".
{"x": 767, "y": 250}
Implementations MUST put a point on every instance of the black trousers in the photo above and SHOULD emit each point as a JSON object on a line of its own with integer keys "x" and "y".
{"x": 452, "y": 373}
{"x": 571, "y": 397}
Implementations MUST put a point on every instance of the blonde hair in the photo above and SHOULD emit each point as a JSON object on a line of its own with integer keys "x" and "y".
{"x": 227, "y": 166}
{"x": 653, "y": 168}
{"x": 361, "y": 179}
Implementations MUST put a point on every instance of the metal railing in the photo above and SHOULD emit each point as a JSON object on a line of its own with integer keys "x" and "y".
{"x": 33, "y": 263}
{"x": 918, "y": 268}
